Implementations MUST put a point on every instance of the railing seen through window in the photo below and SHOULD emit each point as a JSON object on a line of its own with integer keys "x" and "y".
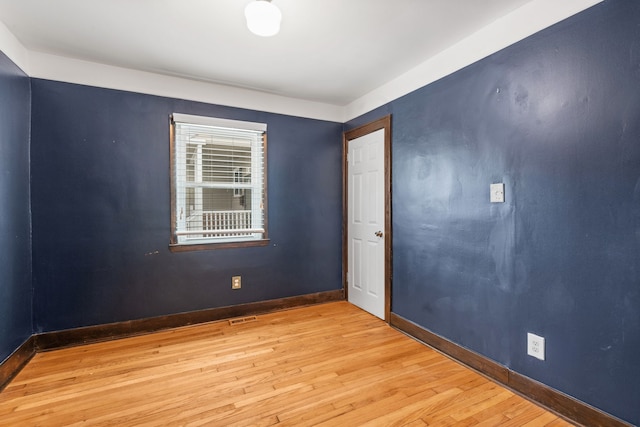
{"x": 218, "y": 180}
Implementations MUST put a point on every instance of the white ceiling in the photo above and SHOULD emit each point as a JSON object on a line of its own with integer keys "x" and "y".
{"x": 329, "y": 51}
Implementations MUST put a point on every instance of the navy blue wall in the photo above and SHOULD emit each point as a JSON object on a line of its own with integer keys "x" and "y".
{"x": 555, "y": 117}
{"x": 101, "y": 211}
{"x": 15, "y": 212}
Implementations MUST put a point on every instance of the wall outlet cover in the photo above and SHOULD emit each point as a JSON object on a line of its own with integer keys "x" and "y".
{"x": 535, "y": 346}
{"x": 236, "y": 282}
{"x": 496, "y": 193}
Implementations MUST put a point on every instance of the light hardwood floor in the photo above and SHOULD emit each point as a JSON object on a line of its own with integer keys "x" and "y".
{"x": 328, "y": 365}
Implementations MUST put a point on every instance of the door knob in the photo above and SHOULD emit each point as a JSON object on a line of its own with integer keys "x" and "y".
{"x": 378, "y": 233}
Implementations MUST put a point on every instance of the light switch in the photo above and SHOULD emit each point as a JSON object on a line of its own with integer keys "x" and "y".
{"x": 497, "y": 193}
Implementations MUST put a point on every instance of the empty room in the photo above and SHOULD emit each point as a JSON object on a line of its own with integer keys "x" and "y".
{"x": 339, "y": 213}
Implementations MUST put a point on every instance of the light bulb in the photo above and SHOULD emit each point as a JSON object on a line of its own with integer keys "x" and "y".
{"x": 263, "y": 18}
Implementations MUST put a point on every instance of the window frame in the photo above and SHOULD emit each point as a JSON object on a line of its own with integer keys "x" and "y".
{"x": 174, "y": 244}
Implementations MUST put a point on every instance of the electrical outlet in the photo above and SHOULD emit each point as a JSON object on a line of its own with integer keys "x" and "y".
{"x": 496, "y": 193}
{"x": 236, "y": 282}
{"x": 535, "y": 346}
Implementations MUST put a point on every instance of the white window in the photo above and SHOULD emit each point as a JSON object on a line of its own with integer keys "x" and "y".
{"x": 218, "y": 181}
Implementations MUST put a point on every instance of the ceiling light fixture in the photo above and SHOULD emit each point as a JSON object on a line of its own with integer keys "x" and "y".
{"x": 263, "y": 18}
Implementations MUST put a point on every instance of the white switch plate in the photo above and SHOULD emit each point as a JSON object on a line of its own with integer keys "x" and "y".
{"x": 497, "y": 193}
{"x": 535, "y": 346}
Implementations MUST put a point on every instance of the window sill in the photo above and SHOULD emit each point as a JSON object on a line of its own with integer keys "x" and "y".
{"x": 214, "y": 246}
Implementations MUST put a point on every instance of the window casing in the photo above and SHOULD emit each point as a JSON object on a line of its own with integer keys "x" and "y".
{"x": 218, "y": 177}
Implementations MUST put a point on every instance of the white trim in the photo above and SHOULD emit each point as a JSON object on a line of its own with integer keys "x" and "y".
{"x": 518, "y": 25}
{"x": 52, "y": 67}
{"x": 219, "y": 123}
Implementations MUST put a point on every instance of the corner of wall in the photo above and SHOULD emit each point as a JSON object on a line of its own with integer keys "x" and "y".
{"x": 14, "y": 50}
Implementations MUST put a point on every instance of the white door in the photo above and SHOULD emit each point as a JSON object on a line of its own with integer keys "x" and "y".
{"x": 366, "y": 219}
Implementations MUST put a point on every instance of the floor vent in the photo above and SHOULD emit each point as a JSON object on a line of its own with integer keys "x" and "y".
{"x": 241, "y": 320}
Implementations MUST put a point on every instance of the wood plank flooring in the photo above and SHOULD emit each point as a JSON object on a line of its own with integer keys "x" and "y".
{"x": 324, "y": 365}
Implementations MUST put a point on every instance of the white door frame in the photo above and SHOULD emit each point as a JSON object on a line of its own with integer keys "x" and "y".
{"x": 382, "y": 123}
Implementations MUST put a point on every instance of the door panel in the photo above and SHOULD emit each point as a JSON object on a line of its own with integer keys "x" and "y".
{"x": 356, "y": 263}
{"x": 366, "y": 222}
